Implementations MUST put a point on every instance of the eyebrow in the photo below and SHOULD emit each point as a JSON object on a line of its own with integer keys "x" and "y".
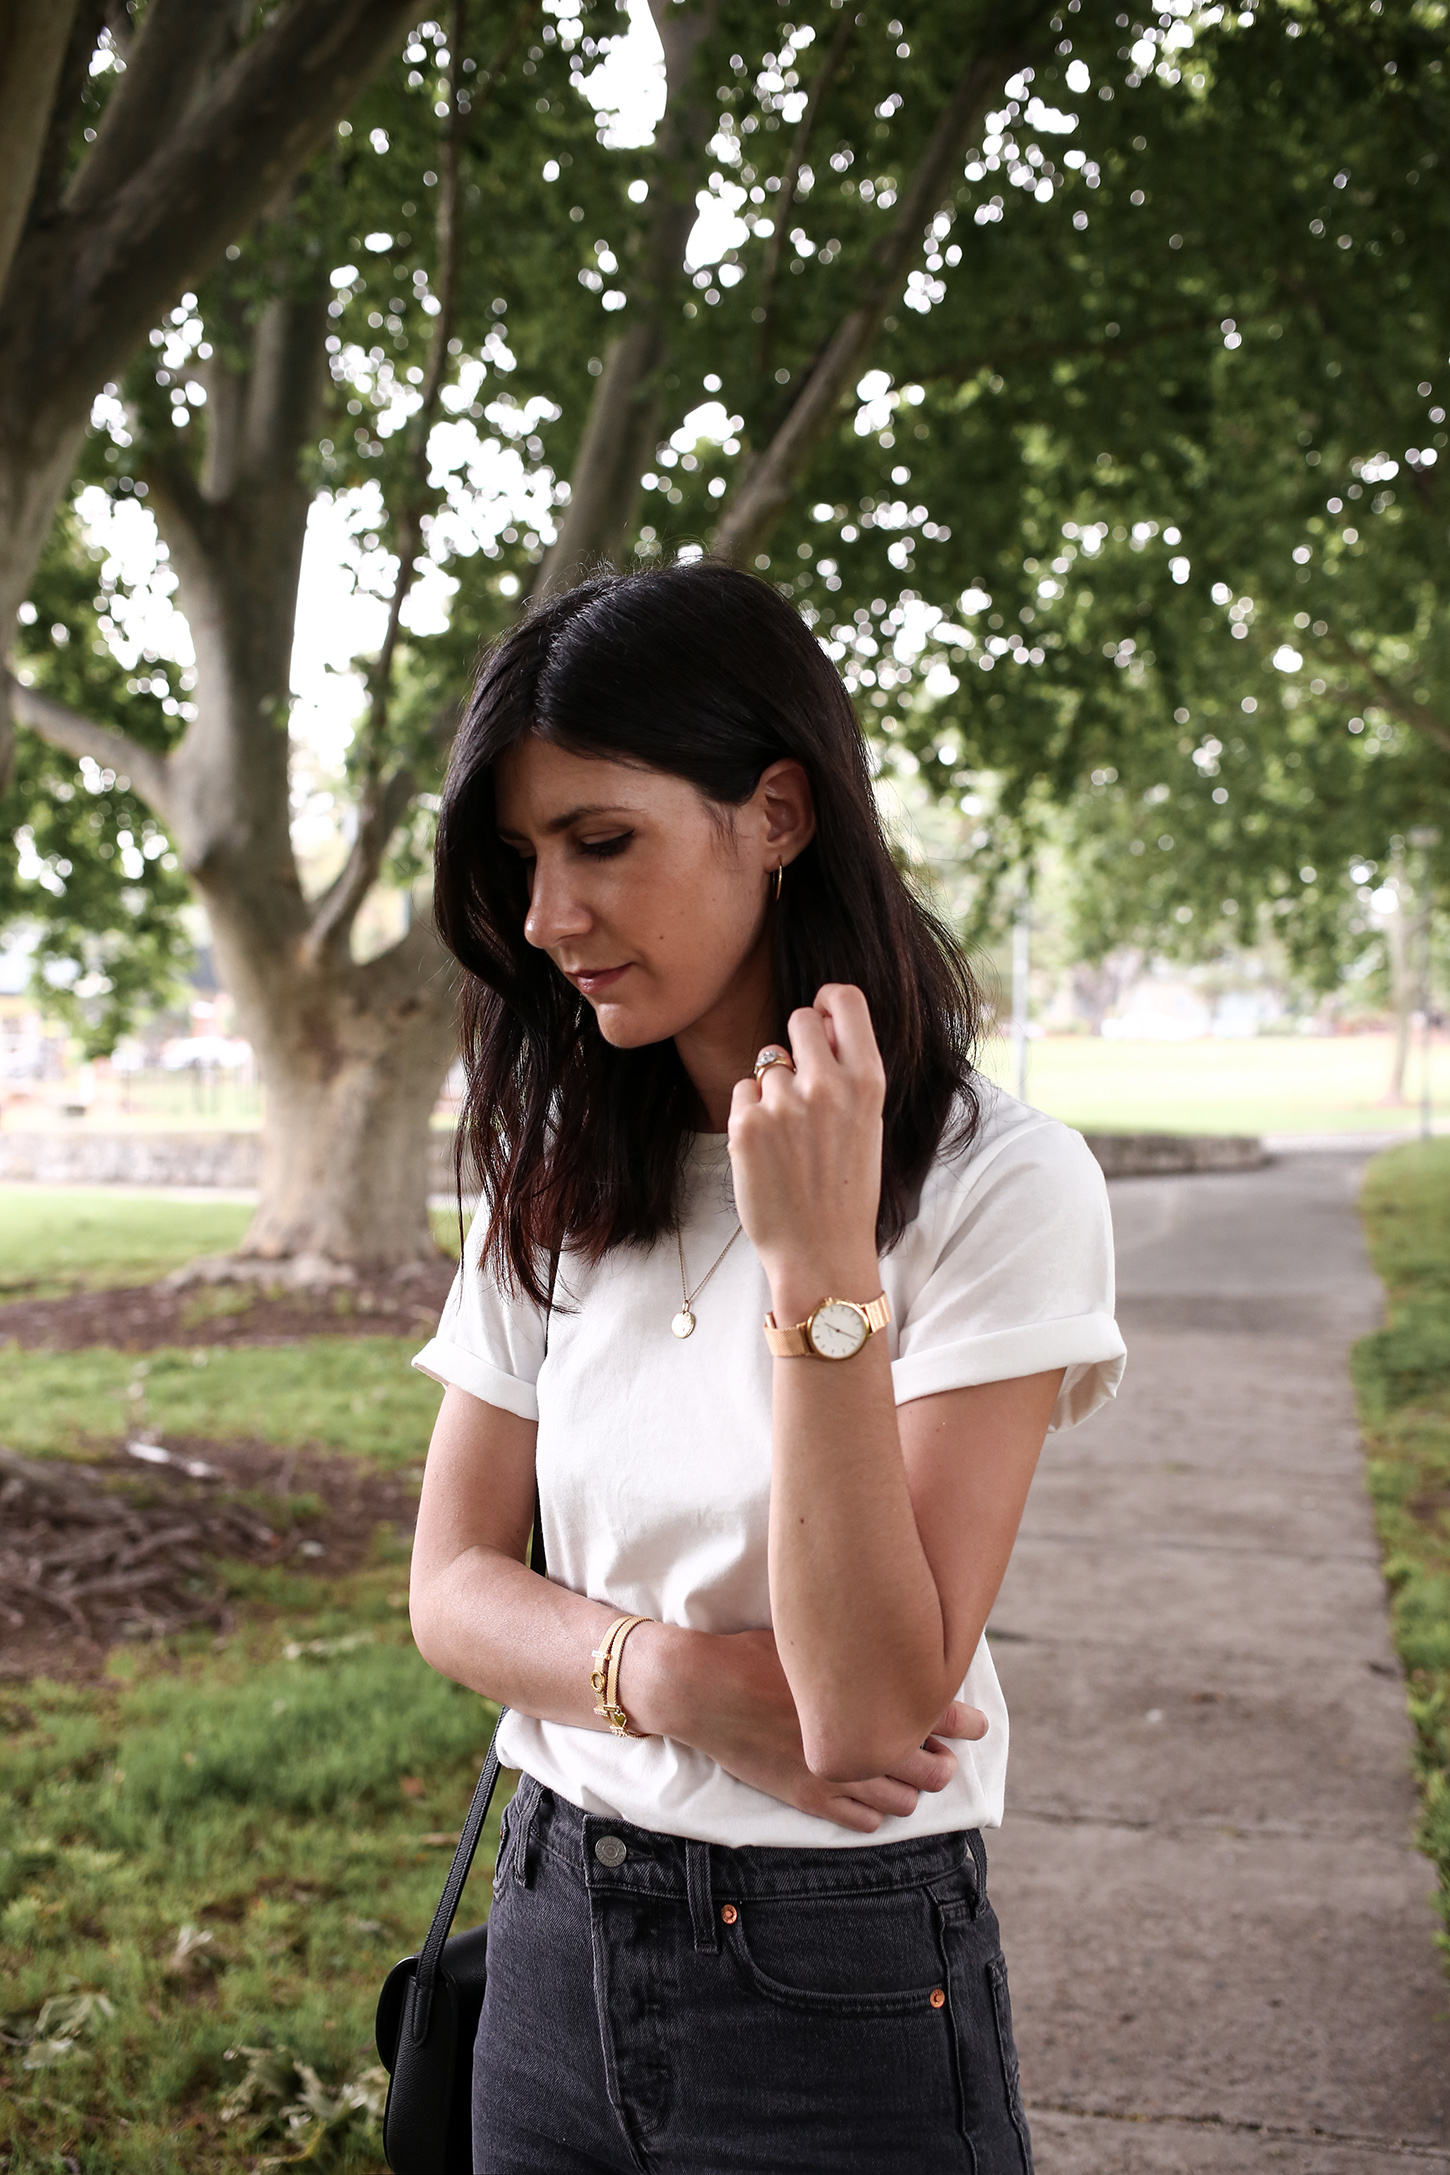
{"x": 555, "y": 824}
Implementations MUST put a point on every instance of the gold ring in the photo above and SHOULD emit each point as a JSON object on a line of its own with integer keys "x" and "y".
{"x": 772, "y": 1055}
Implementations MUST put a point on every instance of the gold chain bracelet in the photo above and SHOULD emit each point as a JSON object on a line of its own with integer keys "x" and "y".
{"x": 604, "y": 1676}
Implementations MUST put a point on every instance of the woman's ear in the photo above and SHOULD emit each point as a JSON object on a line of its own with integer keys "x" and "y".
{"x": 787, "y": 811}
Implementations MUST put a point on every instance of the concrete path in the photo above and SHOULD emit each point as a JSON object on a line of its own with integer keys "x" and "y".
{"x": 1221, "y": 1942}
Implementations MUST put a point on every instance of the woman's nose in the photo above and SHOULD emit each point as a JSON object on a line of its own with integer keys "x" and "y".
{"x": 555, "y": 913}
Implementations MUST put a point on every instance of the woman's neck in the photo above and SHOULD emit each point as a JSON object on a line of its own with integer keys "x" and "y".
{"x": 721, "y": 1046}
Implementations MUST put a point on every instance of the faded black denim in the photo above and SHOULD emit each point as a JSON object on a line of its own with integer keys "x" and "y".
{"x": 692, "y": 2010}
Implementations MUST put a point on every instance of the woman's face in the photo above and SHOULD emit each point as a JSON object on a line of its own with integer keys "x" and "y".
{"x": 639, "y": 894}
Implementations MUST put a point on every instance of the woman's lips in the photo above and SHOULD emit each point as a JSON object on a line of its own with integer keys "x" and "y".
{"x": 593, "y": 980}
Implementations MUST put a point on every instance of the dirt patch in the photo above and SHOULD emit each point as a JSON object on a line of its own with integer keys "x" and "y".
{"x": 142, "y": 1317}
{"x": 119, "y": 1549}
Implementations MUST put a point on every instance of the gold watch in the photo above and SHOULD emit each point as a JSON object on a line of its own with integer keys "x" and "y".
{"x": 836, "y": 1329}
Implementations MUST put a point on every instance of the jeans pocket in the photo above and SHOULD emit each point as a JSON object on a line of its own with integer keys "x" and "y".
{"x": 846, "y": 1955}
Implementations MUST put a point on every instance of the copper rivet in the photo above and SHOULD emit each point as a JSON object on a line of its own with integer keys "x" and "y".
{"x": 729, "y": 1913}
{"x": 938, "y": 1998}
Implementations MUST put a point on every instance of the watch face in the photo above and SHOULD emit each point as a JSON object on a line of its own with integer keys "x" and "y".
{"x": 837, "y": 1329}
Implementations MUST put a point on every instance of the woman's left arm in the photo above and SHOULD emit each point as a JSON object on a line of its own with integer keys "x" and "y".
{"x": 890, "y": 1531}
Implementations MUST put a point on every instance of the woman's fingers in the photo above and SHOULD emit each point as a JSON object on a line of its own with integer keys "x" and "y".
{"x": 885, "y": 1794}
{"x": 846, "y": 1021}
{"x": 848, "y": 1812}
{"x": 960, "y": 1720}
{"x": 931, "y": 1768}
{"x": 813, "y": 1055}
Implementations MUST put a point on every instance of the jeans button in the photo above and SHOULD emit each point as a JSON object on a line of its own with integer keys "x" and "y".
{"x": 609, "y": 1850}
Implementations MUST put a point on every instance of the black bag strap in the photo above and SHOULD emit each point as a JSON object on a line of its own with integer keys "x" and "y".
{"x": 430, "y": 1955}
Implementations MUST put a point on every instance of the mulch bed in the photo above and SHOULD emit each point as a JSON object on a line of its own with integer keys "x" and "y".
{"x": 128, "y": 1549}
{"x": 141, "y": 1317}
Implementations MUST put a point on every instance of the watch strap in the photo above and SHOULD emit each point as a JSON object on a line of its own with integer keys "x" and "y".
{"x": 795, "y": 1342}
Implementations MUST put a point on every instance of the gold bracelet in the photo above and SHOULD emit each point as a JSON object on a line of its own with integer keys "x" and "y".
{"x": 604, "y": 1677}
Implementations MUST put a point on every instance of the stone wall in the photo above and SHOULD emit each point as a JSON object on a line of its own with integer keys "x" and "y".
{"x": 227, "y": 1160}
{"x": 230, "y": 1160}
{"x": 1151, "y": 1155}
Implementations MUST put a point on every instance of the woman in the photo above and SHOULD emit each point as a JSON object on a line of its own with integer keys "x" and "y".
{"x": 719, "y": 1077}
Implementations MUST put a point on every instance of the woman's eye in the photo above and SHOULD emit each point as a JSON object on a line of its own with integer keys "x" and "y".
{"x": 604, "y": 849}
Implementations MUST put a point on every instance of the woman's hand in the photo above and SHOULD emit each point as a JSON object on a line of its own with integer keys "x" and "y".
{"x": 737, "y": 1707}
{"x": 805, "y": 1151}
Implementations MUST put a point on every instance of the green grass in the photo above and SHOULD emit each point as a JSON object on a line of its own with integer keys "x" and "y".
{"x": 1263, "y": 1084}
{"x": 220, "y": 1850}
{"x": 217, "y": 1848}
{"x": 354, "y": 1394}
{"x": 59, "y": 1239}
{"x": 55, "y": 1239}
{"x": 1402, "y": 1375}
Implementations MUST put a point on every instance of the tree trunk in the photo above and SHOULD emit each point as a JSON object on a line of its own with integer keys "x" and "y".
{"x": 33, "y": 475}
{"x": 351, "y": 1054}
{"x": 351, "y": 1062}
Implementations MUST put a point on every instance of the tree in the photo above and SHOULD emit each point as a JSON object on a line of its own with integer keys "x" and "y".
{"x": 1029, "y": 233}
{"x": 1236, "y": 665}
{"x": 351, "y": 1053}
{"x": 100, "y": 225}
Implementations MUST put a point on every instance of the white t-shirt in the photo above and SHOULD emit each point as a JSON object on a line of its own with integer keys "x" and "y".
{"x": 654, "y": 1453}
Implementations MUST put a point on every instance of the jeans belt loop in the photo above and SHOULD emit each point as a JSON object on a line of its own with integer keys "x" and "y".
{"x": 702, "y": 1902}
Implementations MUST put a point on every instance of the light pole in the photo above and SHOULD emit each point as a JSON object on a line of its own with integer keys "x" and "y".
{"x": 1021, "y": 962}
{"x": 1423, "y": 838}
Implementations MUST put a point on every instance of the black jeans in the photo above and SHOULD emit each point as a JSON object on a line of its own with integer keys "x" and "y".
{"x": 682, "y": 2009}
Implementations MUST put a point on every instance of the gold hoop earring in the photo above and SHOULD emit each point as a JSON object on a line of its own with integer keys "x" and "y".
{"x": 779, "y": 879}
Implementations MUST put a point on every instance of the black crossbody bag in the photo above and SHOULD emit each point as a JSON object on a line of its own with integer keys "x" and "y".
{"x": 430, "y": 2005}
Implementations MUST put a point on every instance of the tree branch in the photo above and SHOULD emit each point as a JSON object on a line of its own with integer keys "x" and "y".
{"x": 381, "y": 808}
{"x": 1388, "y": 696}
{"x": 825, "y": 76}
{"x": 65, "y": 729}
{"x": 408, "y": 526}
{"x": 281, "y": 404}
{"x": 90, "y": 287}
{"x": 36, "y": 49}
{"x": 621, "y": 426}
{"x": 751, "y": 516}
{"x": 50, "y": 182}
{"x": 416, "y": 968}
{"x": 173, "y": 57}
{"x": 182, "y": 514}
{"x": 382, "y": 802}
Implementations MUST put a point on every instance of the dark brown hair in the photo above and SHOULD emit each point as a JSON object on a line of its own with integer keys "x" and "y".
{"x": 708, "y": 674}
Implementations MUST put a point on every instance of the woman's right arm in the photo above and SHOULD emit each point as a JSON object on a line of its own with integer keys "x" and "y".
{"x": 481, "y": 1617}
{"x": 479, "y": 1614}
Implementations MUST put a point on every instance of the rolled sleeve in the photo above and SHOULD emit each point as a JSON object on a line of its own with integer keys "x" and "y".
{"x": 1020, "y": 1277}
{"x": 489, "y": 1342}
{"x": 458, "y": 1369}
{"x": 1088, "y": 1347}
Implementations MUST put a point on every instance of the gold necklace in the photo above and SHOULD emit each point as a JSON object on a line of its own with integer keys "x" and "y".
{"x": 683, "y": 1324}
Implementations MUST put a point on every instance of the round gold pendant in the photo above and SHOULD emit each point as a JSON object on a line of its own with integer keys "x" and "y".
{"x": 683, "y": 1324}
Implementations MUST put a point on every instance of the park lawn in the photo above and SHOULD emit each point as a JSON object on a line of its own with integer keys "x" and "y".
{"x": 58, "y": 1239}
{"x": 1402, "y": 1374}
{"x": 353, "y": 1394}
{"x": 209, "y": 1862}
{"x": 1260, "y": 1084}
{"x": 223, "y": 1844}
